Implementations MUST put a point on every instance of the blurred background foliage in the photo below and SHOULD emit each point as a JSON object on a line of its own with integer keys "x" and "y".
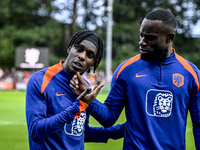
{"x": 51, "y": 23}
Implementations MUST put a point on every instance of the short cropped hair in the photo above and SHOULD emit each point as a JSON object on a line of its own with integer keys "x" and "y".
{"x": 167, "y": 18}
{"x": 79, "y": 36}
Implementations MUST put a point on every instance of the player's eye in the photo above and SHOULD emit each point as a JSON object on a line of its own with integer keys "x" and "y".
{"x": 150, "y": 37}
{"x": 79, "y": 49}
{"x": 90, "y": 55}
{"x": 141, "y": 35}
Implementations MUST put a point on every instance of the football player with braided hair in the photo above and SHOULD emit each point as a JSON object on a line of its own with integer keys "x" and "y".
{"x": 79, "y": 36}
{"x": 56, "y": 116}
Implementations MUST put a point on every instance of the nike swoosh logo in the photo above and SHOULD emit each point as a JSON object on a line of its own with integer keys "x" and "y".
{"x": 137, "y": 76}
{"x": 59, "y": 94}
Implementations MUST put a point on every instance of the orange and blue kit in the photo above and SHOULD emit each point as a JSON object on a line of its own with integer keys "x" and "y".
{"x": 156, "y": 96}
{"x": 56, "y": 119}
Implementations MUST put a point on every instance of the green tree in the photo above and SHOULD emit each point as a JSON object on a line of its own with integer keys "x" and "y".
{"x": 79, "y": 15}
{"x": 32, "y": 23}
{"x": 26, "y": 23}
{"x": 128, "y": 15}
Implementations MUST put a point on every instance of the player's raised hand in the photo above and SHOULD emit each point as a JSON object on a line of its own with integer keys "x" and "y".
{"x": 90, "y": 97}
{"x": 82, "y": 95}
{"x": 78, "y": 84}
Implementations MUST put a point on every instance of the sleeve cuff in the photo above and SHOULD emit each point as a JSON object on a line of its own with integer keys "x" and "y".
{"x": 82, "y": 107}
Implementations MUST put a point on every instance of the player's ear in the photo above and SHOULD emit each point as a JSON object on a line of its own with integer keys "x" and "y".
{"x": 170, "y": 37}
{"x": 68, "y": 50}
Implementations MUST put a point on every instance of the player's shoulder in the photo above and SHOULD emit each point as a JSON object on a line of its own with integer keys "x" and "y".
{"x": 128, "y": 62}
{"x": 40, "y": 72}
{"x": 125, "y": 66}
{"x": 38, "y": 75}
{"x": 189, "y": 66}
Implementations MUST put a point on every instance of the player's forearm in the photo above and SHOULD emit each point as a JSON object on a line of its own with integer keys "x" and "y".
{"x": 102, "y": 134}
{"x": 96, "y": 134}
{"x": 116, "y": 131}
{"x": 42, "y": 127}
{"x": 103, "y": 113}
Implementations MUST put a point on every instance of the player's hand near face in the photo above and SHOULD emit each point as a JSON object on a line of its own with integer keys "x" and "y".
{"x": 90, "y": 97}
{"x": 81, "y": 88}
{"x": 78, "y": 84}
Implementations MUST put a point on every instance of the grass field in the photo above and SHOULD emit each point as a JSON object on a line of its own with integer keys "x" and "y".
{"x": 13, "y": 131}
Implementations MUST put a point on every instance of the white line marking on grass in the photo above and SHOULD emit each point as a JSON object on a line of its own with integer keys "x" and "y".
{"x": 19, "y": 123}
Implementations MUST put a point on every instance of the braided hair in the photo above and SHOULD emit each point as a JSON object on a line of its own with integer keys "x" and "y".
{"x": 167, "y": 18}
{"x": 79, "y": 36}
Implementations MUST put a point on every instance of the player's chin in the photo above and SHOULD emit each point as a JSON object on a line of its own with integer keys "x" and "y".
{"x": 145, "y": 56}
{"x": 73, "y": 71}
{"x": 81, "y": 71}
